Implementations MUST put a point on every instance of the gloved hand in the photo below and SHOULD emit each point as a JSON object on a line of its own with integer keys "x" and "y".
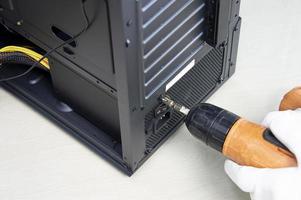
{"x": 273, "y": 184}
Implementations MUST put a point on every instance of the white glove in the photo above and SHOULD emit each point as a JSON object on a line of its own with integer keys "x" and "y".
{"x": 273, "y": 184}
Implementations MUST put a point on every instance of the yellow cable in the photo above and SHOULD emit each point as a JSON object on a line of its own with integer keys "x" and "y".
{"x": 36, "y": 56}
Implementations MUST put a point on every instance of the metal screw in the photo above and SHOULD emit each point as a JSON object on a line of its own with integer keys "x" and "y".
{"x": 127, "y": 42}
{"x": 221, "y": 79}
{"x": 19, "y": 23}
{"x": 223, "y": 45}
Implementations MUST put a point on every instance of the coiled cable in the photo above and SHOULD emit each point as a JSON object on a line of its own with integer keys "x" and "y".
{"x": 20, "y": 58}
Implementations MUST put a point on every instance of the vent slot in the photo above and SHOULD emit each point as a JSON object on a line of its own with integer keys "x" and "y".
{"x": 191, "y": 89}
{"x": 62, "y": 35}
{"x": 173, "y": 32}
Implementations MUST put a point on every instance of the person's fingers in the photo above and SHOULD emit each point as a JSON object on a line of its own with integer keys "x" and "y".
{"x": 286, "y": 126}
{"x": 273, "y": 116}
{"x": 244, "y": 177}
{"x": 278, "y": 122}
{"x": 249, "y": 179}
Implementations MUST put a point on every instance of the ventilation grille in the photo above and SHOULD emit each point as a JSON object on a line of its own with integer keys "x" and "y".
{"x": 189, "y": 90}
{"x": 173, "y": 32}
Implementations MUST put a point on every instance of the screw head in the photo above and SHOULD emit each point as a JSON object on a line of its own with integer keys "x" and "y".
{"x": 127, "y": 42}
{"x": 19, "y": 23}
{"x": 221, "y": 79}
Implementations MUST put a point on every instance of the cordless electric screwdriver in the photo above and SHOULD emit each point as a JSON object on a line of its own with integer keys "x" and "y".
{"x": 240, "y": 140}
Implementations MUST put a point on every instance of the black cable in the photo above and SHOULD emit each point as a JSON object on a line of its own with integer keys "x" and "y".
{"x": 56, "y": 48}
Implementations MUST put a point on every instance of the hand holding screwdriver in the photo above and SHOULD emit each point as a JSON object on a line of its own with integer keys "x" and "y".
{"x": 238, "y": 139}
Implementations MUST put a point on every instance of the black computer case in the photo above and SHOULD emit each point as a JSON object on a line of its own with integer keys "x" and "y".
{"x": 105, "y": 87}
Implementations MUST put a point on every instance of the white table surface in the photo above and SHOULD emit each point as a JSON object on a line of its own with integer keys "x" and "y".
{"x": 38, "y": 160}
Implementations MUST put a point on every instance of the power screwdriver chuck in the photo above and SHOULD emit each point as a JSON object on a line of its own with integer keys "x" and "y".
{"x": 238, "y": 139}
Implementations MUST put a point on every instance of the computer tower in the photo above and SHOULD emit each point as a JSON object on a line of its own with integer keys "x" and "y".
{"x": 105, "y": 87}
